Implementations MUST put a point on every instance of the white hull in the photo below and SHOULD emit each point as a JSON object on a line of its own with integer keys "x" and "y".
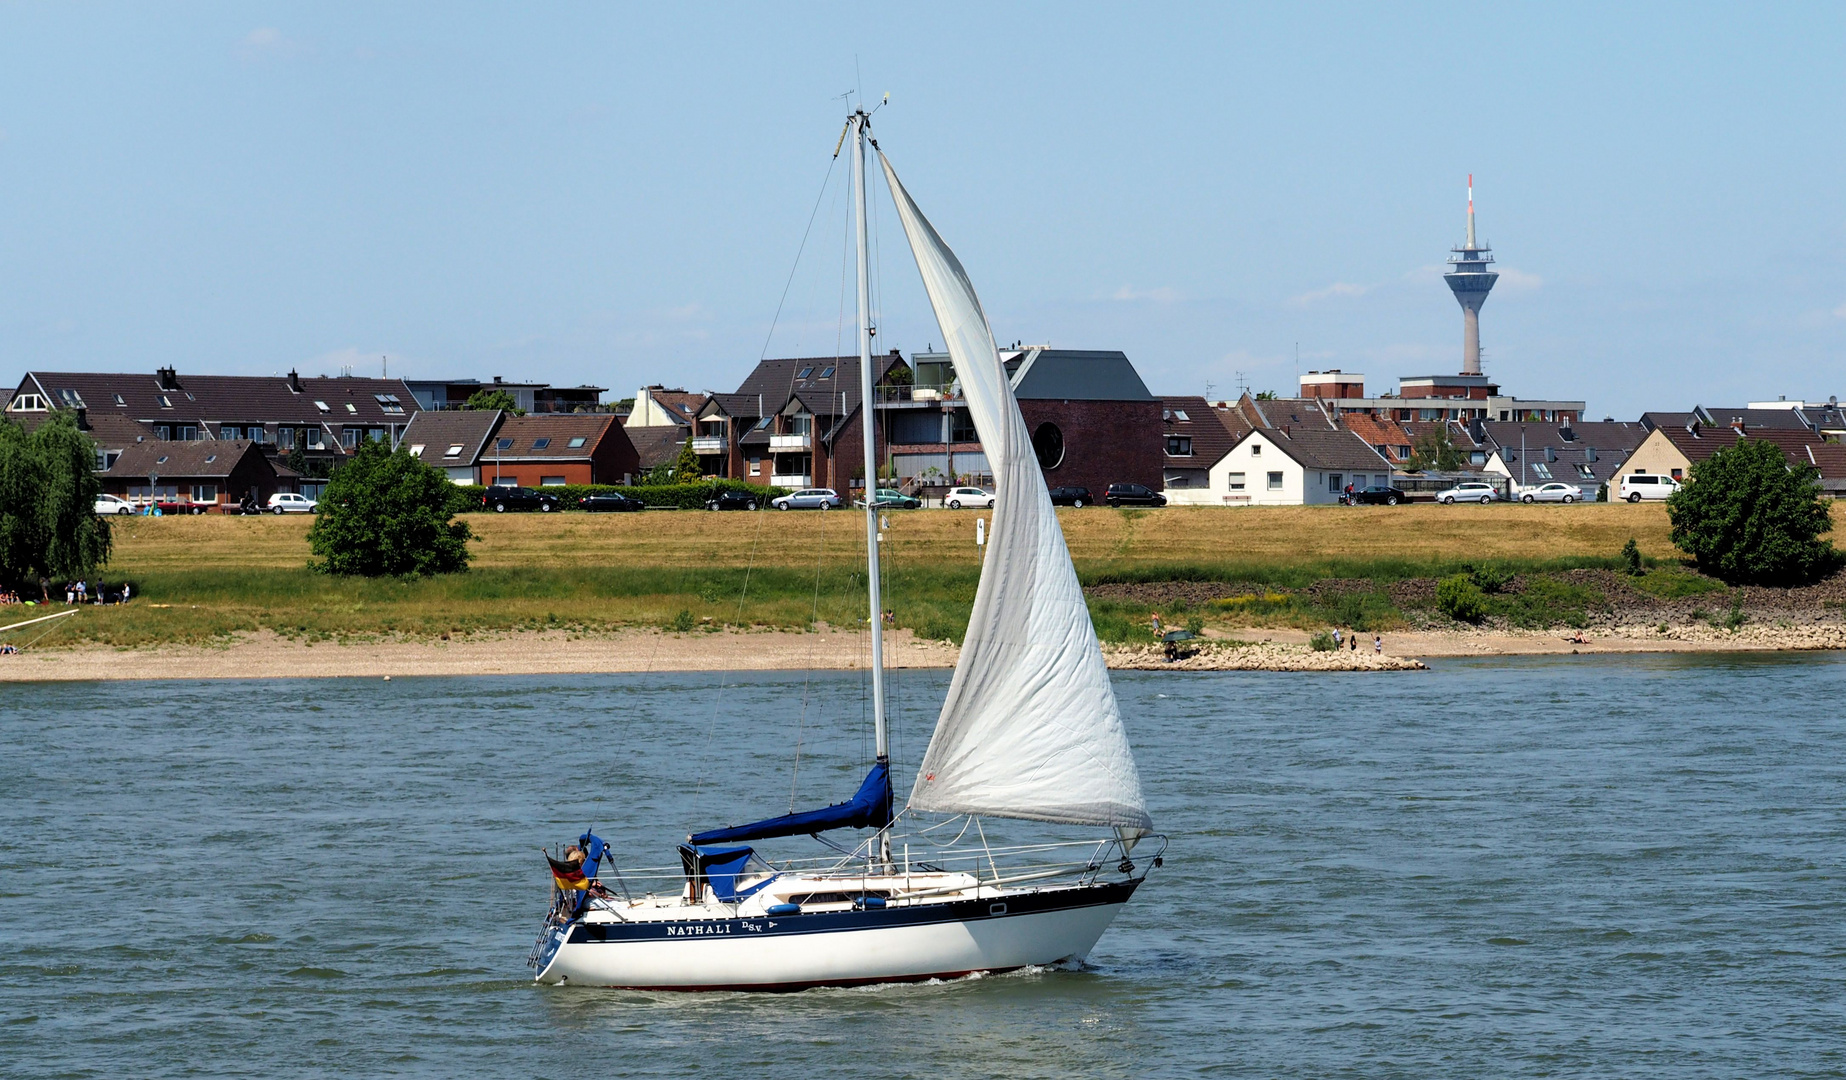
{"x": 765, "y": 953}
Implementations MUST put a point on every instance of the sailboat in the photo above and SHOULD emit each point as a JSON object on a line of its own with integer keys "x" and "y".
{"x": 1030, "y": 729}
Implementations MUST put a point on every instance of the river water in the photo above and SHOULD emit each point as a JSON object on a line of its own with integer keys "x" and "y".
{"x": 1577, "y": 866}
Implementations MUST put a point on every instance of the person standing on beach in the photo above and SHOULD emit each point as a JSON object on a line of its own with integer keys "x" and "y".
{"x": 1378, "y": 644}
{"x": 1156, "y": 624}
{"x": 1337, "y": 641}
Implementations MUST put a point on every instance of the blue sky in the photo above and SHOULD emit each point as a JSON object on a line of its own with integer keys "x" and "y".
{"x": 615, "y": 194}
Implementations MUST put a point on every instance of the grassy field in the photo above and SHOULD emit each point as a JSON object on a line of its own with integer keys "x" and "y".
{"x": 204, "y": 577}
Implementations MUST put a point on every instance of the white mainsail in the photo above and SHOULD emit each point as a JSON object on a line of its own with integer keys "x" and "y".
{"x": 1030, "y": 728}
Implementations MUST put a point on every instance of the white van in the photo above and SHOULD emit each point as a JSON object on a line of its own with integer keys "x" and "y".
{"x": 1637, "y": 486}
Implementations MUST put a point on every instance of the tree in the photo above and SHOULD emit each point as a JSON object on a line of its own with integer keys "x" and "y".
{"x": 1748, "y": 518}
{"x": 48, "y": 489}
{"x": 493, "y": 399}
{"x": 1434, "y": 450}
{"x": 1266, "y": 395}
{"x": 686, "y": 469}
{"x": 386, "y": 513}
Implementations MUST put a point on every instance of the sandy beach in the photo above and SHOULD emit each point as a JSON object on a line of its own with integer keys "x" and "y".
{"x": 267, "y": 655}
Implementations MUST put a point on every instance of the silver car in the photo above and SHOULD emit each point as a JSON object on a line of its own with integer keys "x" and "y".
{"x": 1471, "y": 491}
{"x": 808, "y": 499}
{"x": 1564, "y": 493}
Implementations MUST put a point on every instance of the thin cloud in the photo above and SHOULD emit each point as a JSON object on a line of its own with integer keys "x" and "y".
{"x": 1518, "y": 281}
{"x": 1337, "y": 290}
{"x": 1165, "y": 294}
{"x": 265, "y": 42}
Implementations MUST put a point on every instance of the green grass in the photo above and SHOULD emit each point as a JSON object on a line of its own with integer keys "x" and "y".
{"x": 1674, "y": 584}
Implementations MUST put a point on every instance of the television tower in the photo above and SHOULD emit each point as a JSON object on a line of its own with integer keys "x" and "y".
{"x": 1471, "y": 281}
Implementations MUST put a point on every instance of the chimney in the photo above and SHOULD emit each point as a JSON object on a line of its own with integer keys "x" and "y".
{"x": 496, "y": 380}
{"x": 1737, "y": 425}
{"x": 294, "y": 381}
{"x": 1567, "y": 434}
{"x": 167, "y": 378}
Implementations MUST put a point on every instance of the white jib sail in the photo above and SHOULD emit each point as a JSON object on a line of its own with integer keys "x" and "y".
{"x": 1030, "y": 728}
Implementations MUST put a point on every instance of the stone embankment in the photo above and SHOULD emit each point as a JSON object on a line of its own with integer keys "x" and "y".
{"x": 1805, "y": 637}
{"x": 1253, "y": 656}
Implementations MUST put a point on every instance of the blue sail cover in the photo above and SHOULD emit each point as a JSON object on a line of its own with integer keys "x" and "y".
{"x": 869, "y": 809}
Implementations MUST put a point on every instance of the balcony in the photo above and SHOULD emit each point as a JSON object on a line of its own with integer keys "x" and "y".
{"x": 780, "y": 444}
{"x": 708, "y": 444}
{"x": 791, "y": 480}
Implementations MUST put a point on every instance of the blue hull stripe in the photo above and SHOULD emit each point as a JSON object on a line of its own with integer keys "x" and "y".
{"x": 826, "y": 922}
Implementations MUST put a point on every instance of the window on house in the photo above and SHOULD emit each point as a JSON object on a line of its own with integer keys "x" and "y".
{"x": 1541, "y": 470}
{"x": 827, "y": 374}
{"x": 27, "y": 403}
{"x": 1256, "y": 449}
{"x": 1179, "y": 446}
{"x": 1234, "y": 481}
{"x": 230, "y": 431}
{"x": 551, "y": 481}
{"x": 188, "y": 433}
{"x": 254, "y": 434}
{"x": 1177, "y": 480}
{"x": 503, "y": 444}
{"x": 765, "y": 422}
{"x": 1275, "y": 481}
{"x": 71, "y": 398}
{"x": 205, "y": 493}
{"x": 541, "y": 444}
{"x": 351, "y": 409}
{"x": 804, "y": 373}
{"x": 166, "y": 402}
{"x": 119, "y": 401}
{"x": 161, "y": 460}
{"x": 162, "y": 432}
{"x": 389, "y": 403}
{"x": 316, "y": 439}
{"x": 209, "y": 458}
{"x": 1585, "y": 472}
{"x": 322, "y": 406}
{"x": 102, "y": 462}
{"x": 376, "y": 434}
{"x": 349, "y": 437}
{"x": 454, "y": 450}
{"x": 1677, "y": 475}
{"x": 577, "y": 441}
{"x": 1180, "y": 415}
{"x": 416, "y": 449}
{"x": 1335, "y": 482}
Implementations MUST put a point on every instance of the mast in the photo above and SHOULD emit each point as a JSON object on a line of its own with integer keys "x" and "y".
{"x": 866, "y": 426}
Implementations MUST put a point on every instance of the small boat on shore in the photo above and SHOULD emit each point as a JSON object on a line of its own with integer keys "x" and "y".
{"x": 1030, "y": 730}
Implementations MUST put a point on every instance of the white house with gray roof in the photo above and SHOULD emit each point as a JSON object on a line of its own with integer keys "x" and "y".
{"x": 1289, "y": 467}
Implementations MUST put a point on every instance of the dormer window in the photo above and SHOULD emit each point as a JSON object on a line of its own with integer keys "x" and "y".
{"x": 27, "y": 403}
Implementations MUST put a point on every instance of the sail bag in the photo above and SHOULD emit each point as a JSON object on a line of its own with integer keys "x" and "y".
{"x": 1030, "y": 728}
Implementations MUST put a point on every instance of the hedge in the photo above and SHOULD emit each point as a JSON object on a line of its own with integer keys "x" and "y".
{"x": 467, "y": 497}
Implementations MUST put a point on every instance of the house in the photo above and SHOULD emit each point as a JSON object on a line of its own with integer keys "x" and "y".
{"x": 452, "y": 441}
{"x": 1672, "y": 451}
{"x": 323, "y": 418}
{"x": 657, "y": 406}
{"x": 533, "y": 397}
{"x": 1291, "y": 466}
{"x": 1586, "y": 466}
{"x": 655, "y": 446}
{"x": 1195, "y": 438}
{"x": 217, "y": 471}
{"x": 1388, "y": 437}
{"x": 1092, "y": 420}
{"x": 795, "y": 422}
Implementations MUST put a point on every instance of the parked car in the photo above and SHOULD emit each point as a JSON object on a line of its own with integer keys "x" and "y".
{"x": 1133, "y": 495}
{"x": 501, "y": 498}
{"x": 610, "y": 502}
{"x": 1072, "y": 496}
{"x": 1469, "y": 491}
{"x": 287, "y": 502}
{"x": 1552, "y": 493}
{"x": 1378, "y": 495}
{"x": 968, "y": 496}
{"x": 809, "y": 499}
{"x": 731, "y": 500}
{"x": 113, "y": 504}
{"x": 893, "y": 499}
{"x": 1637, "y": 486}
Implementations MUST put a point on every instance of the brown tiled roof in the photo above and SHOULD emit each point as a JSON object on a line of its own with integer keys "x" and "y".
{"x": 436, "y": 432}
{"x": 1709, "y": 440}
{"x": 1829, "y": 458}
{"x": 657, "y": 445}
{"x": 1381, "y": 434}
{"x": 1286, "y": 412}
{"x": 1211, "y": 440}
{"x": 678, "y": 404}
{"x": 182, "y": 460}
{"x": 548, "y": 437}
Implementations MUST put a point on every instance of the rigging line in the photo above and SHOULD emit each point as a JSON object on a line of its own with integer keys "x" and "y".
{"x": 812, "y": 214}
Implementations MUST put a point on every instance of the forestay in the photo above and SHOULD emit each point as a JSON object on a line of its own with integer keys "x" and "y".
{"x": 1030, "y": 728}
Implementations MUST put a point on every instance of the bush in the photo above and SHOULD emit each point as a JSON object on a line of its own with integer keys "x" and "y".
{"x": 1631, "y": 558}
{"x": 1750, "y": 519}
{"x": 385, "y": 513}
{"x": 1322, "y": 642}
{"x": 1460, "y": 599}
{"x": 467, "y": 497}
{"x": 1490, "y": 579}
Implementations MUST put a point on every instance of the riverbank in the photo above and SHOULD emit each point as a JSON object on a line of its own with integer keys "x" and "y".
{"x": 268, "y": 655}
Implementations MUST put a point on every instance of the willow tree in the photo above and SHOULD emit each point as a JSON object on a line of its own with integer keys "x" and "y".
{"x": 48, "y": 488}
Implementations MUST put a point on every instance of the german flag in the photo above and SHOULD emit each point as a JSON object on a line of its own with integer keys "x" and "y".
{"x": 568, "y": 877}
